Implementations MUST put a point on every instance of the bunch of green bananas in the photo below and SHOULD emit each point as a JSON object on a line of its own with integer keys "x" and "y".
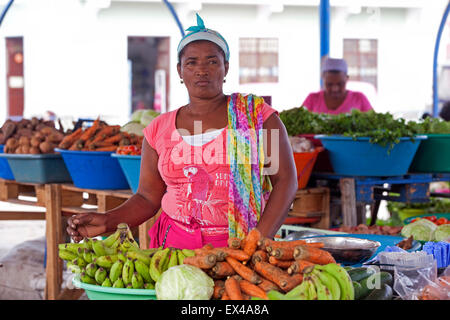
{"x": 118, "y": 262}
{"x": 322, "y": 282}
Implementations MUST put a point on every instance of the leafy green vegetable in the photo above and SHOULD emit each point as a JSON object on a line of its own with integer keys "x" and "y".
{"x": 435, "y": 205}
{"x": 381, "y": 128}
{"x": 432, "y": 126}
{"x": 442, "y": 232}
{"x": 184, "y": 282}
{"x": 421, "y": 229}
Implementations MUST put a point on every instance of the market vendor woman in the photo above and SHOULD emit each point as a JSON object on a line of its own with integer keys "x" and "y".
{"x": 207, "y": 164}
{"x": 335, "y": 98}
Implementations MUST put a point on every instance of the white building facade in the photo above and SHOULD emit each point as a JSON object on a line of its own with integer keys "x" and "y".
{"x": 75, "y": 51}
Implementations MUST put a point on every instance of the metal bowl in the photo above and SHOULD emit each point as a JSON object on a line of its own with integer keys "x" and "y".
{"x": 347, "y": 250}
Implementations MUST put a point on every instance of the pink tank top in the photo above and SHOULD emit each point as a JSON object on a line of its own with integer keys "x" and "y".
{"x": 196, "y": 176}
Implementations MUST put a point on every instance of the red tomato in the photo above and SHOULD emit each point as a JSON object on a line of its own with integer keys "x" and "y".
{"x": 431, "y": 218}
{"x": 441, "y": 221}
{"x": 414, "y": 220}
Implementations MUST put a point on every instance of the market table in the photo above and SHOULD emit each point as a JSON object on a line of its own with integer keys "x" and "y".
{"x": 360, "y": 190}
{"x": 61, "y": 200}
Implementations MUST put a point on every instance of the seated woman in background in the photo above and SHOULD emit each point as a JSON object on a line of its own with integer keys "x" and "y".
{"x": 335, "y": 98}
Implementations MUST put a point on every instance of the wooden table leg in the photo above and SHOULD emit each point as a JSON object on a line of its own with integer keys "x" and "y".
{"x": 348, "y": 201}
{"x": 374, "y": 212}
{"x": 54, "y": 237}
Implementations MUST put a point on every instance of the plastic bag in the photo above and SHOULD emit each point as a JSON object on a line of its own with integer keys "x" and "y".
{"x": 422, "y": 283}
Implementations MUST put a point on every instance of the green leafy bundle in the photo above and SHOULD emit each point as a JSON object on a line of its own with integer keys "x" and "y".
{"x": 432, "y": 126}
{"x": 381, "y": 128}
{"x": 301, "y": 121}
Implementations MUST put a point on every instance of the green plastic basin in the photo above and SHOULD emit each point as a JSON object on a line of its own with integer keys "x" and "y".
{"x": 433, "y": 154}
{"x": 95, "y": 292}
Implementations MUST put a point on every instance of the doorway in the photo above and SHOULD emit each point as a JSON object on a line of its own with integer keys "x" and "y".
{"x": 148, "y": 59}
{"x": 14, "y": 77}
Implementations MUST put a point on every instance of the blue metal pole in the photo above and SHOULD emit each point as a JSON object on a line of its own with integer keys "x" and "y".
{"x": 435, "y": 62}
{"x": 174, "y": 14}
{"x": 324, "y": 14}
{"x": 5, "y": 10}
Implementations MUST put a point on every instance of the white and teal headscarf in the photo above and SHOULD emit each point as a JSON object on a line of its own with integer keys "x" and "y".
{"x": 200, "y": 32}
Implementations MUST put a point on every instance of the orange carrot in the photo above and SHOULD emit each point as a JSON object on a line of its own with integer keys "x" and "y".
{"x": 233, "y": 289}
{"x": 260, "y": 255}
{"x": 225, "y": 296}
{"x": 252, "y": 290}
{"x": 300, "y": 266}
{"x": 105, "y": 132}
{"x": 283, "y": 253}
{"x": 294, "y": 281}
{"x": 115, "y": 138}
{"x": 238, "y": 254}
{"x": 206, "y": 261}
{"x": 77, "y": 145}
{"x": 244, "y": 271}
{"x": 234, "y": 243}
{"x": 274, "y": 274}
{"x": 68, "y": 140}
{"x": 283, "y": 264}
{"x": 110, "y": 148}
{"x": 219, "y": 289}
{"x": 263, "y": 242}
{"x": 223, "y": 268}
{"x": 89, "y": 132}
{"x": 202, "y": 250}
{"x": 314, "y": 255}
{"x": 251, "y": 241}
{"x": 268, "y": 285}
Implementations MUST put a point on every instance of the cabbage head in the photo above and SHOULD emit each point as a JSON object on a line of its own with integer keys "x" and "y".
{"x": 184, "y": 282}
{"x": 147, "y": 116}
{"x": 442, "y": 232}
{"x": 421, "y": 229}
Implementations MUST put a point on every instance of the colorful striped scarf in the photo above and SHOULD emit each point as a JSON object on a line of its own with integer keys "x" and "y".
{"x": 247, "y": 185}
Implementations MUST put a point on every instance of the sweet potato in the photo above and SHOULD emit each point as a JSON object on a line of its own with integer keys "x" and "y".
{"x": 24, "y": 141}
{"x": 46, "y": 147}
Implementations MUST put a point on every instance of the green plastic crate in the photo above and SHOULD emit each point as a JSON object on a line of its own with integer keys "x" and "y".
{"x": 97, "y": 292}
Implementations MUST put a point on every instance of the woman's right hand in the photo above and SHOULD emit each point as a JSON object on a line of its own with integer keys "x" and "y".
{"x": 86, "y": 225}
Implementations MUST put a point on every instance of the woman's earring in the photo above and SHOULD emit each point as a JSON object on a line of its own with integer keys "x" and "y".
{"x": 181, "y": 81}
{"x": 224, "y": 80}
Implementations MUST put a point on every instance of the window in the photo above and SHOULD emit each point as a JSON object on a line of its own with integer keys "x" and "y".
{"x": 258, "y": 60}
{"x": 362, "y": 59}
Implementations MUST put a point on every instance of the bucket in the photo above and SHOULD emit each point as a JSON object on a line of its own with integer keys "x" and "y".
{"x": 5, "y": 169}
{"x": 304, "y": 163}
{"x": 131, "y": 167}
{"x": 360, "y": 157}
{"x": 37, "y": 168}
{"x": 433, "y": 154}
{"x": 94, "y": 170}
{"x": 97, "y": 292}
{"x": 323, "y": 163}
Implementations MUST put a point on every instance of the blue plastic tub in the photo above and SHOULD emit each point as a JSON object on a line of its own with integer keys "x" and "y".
{"x": 37, "y": 168}
{"x": 5, "y": 169}
{"x": 94, "y": 170}
{"x": 131, "y": 167}
{"x": 361, "y": 158}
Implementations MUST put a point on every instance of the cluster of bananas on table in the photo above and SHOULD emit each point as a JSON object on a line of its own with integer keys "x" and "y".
{"x": 320, "y": 282}
{"x": 118, "y": 262}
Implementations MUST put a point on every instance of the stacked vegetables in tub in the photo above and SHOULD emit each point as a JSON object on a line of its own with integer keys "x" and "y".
{"x": 35, "y": 136}
{"x": 99, "y": 137}
{"x": 118, "y": 262}
{"x": 260, "y": 268}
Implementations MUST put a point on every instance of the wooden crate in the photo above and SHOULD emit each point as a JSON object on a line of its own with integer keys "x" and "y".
{"x": 29, "y": 194}
{"x": 313, "y": 202}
